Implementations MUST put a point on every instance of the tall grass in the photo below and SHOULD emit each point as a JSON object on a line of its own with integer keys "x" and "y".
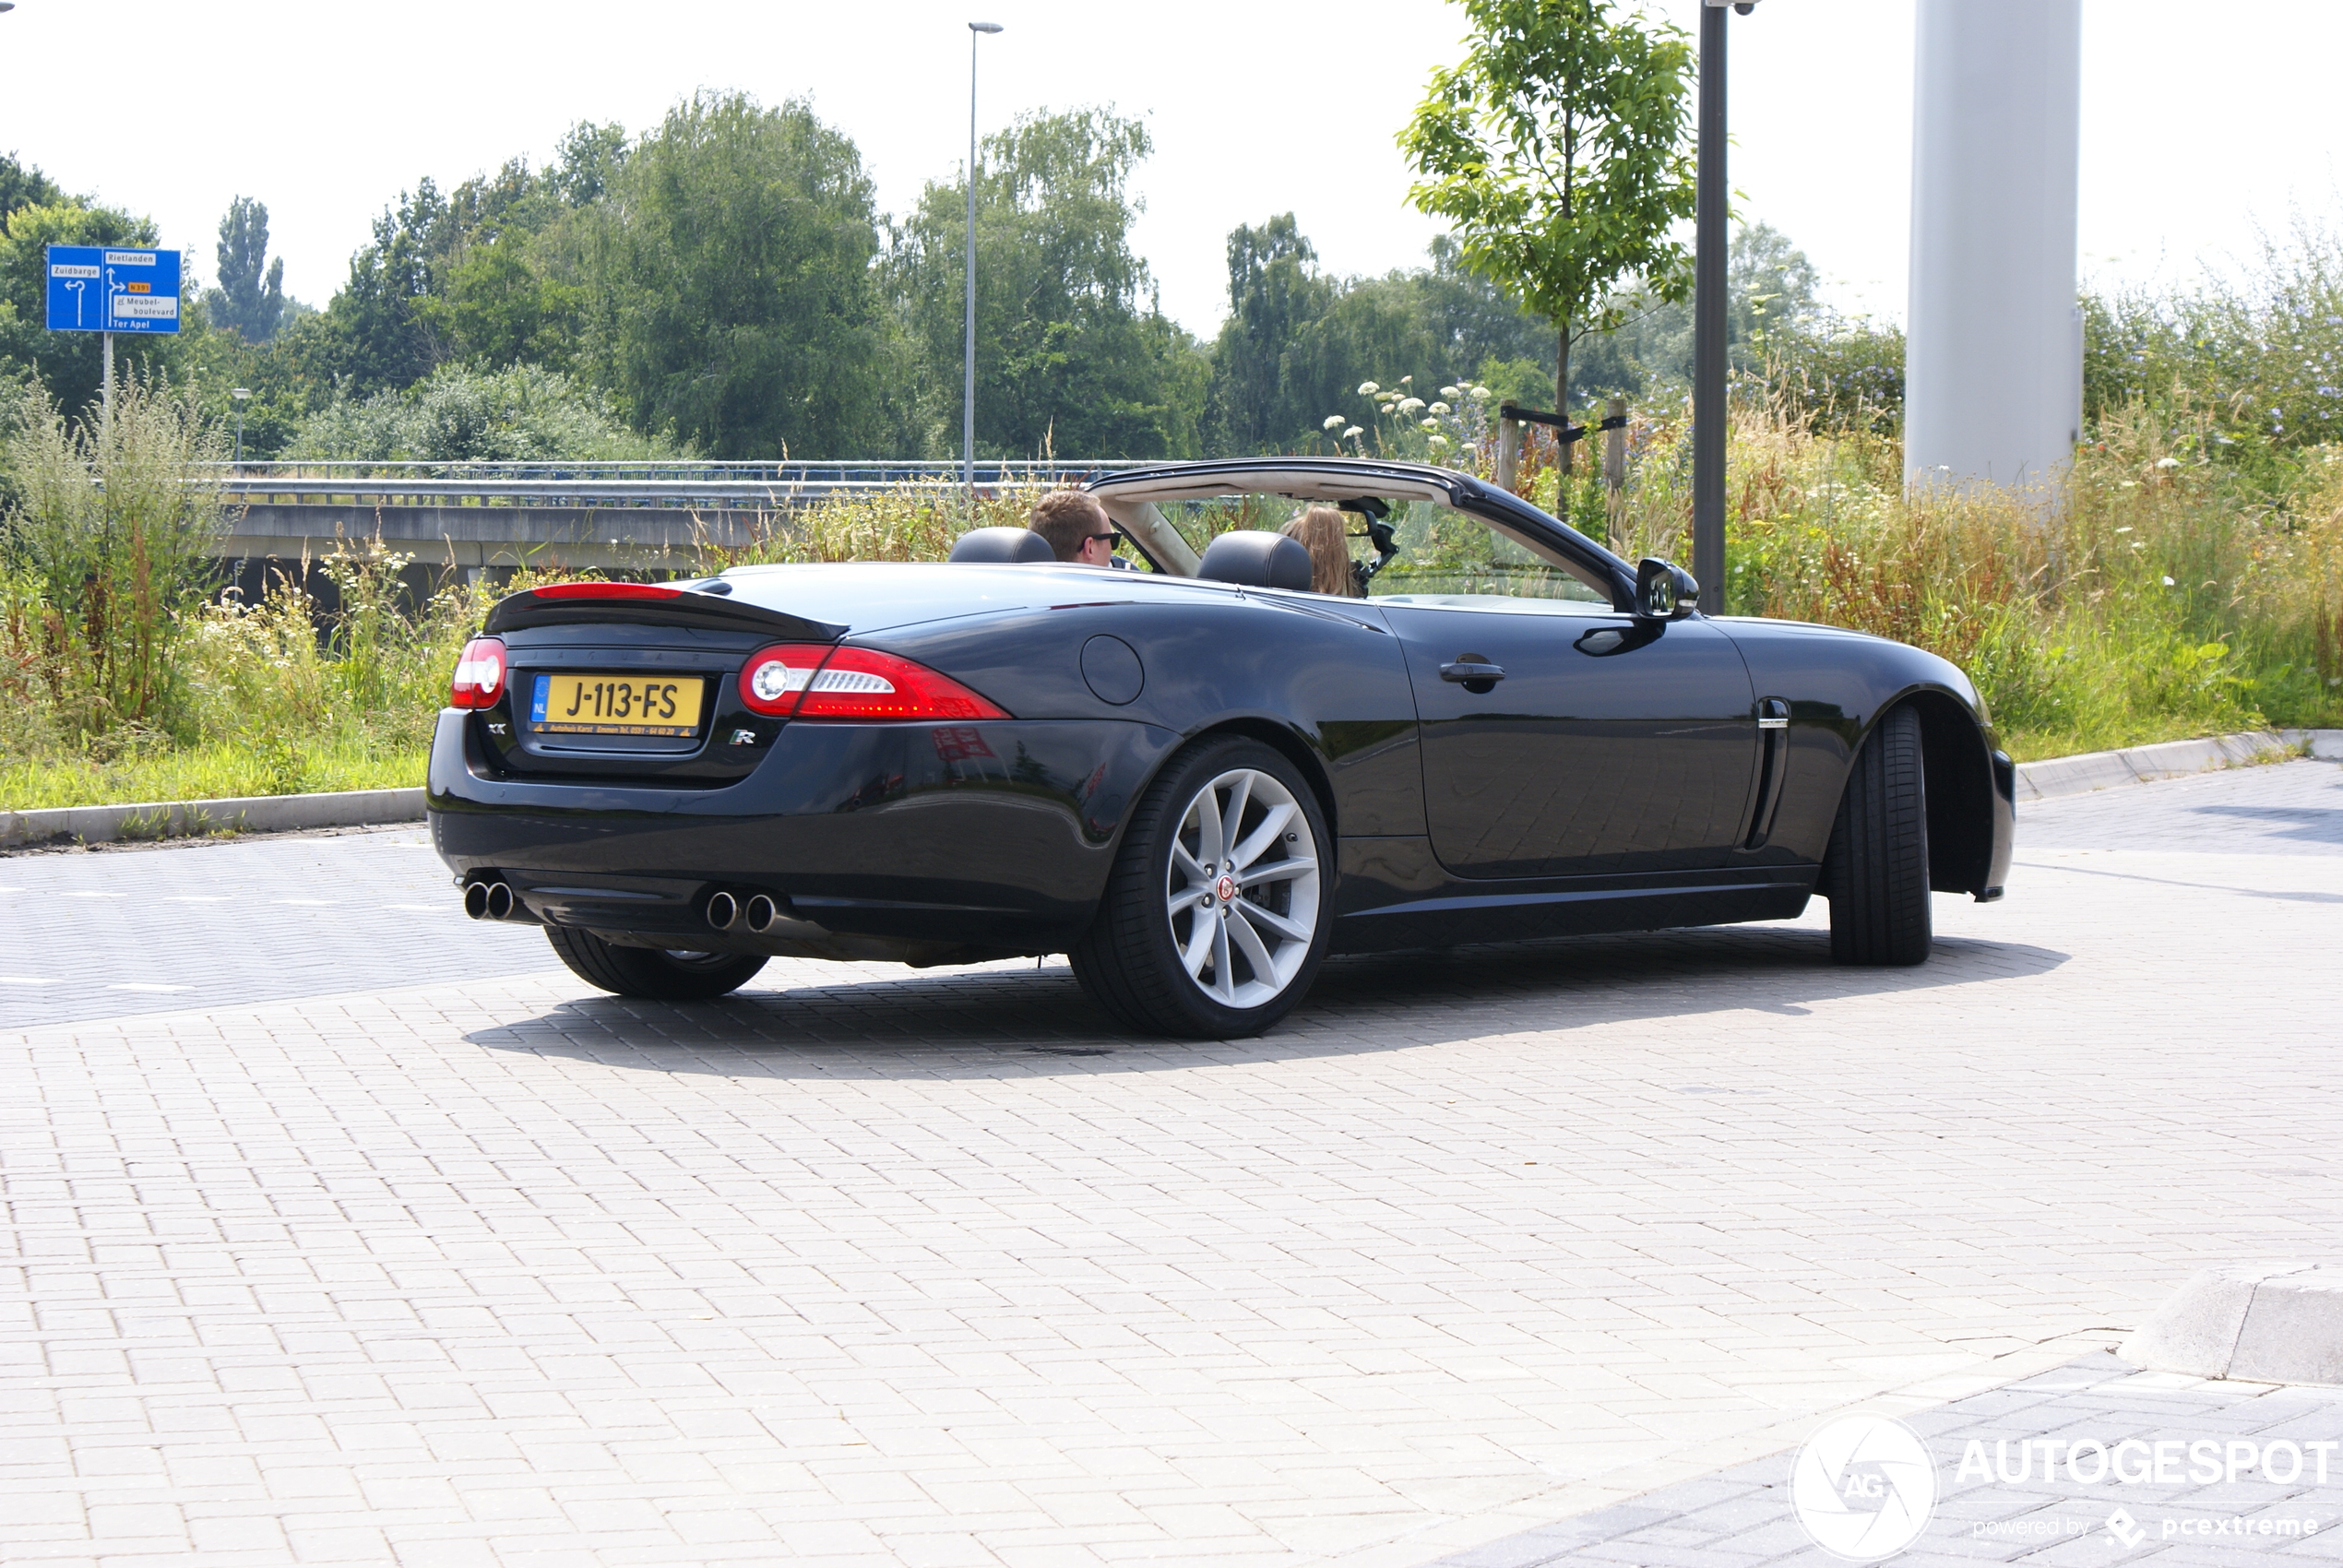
{"x": 2151, "y": 600}
{"x": 105, "y": 550}
{"x": 2151, "y": 597}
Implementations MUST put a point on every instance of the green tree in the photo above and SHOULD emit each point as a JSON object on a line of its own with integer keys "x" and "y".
{"x": 21, "y": 184}
{"x": 1275, "y": 295}
{"x": 462, "y": 414}
{"x": 1559, "y": 150}
{"x": 1072, "y": 352}
{"x": 250, "y": 300}
{"x": 728, "y": 282}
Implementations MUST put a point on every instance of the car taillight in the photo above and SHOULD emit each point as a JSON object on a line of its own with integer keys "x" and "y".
{"x": 480, "y": 674}
{"x": 773, "y": 678}
{"x": 808, "y": 681}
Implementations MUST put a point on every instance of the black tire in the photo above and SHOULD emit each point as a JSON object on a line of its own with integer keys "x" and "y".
{"x": 1875, "y": 874}
{"x": 1259, "y": 951}
{"x": 649, "y": 973}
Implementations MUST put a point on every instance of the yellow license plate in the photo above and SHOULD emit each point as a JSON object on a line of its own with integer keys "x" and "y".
{"x": 616, "y": 705}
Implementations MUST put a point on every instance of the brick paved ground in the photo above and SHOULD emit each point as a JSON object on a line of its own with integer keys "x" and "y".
{"x": 872, "y": 1266}
{"x": 2054, "y": 1508}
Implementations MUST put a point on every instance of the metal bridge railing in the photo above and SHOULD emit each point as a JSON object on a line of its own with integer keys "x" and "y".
{"x": 669, "y": 483}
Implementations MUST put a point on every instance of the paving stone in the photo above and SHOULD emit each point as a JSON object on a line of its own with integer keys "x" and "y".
{"x": 392, "y": 1243}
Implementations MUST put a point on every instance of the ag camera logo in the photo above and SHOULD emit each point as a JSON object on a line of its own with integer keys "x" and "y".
{"x": 1864, "y": 1487}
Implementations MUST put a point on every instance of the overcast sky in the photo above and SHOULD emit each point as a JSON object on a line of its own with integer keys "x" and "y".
{"x": 2198, "y": 122}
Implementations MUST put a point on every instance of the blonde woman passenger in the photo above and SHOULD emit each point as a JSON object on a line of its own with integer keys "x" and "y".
{"x": 1321, "y": 531}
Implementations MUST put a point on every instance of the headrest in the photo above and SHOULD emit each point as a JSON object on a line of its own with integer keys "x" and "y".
{"x": 1257, "y": 560}
{"x": 1002, "y": 544}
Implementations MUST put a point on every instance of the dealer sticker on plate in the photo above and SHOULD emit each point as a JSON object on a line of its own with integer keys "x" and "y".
{"x": 616, "y": 705}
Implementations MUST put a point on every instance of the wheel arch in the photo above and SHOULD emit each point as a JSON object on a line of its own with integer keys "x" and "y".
{"x": 1281, "y": 739}
{"x": 1959, "y": 769}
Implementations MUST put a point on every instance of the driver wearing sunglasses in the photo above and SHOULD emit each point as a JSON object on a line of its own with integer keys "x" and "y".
{"x": 1076, "y": 526}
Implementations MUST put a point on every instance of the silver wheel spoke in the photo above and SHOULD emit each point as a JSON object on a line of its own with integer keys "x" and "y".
{"x": 1272, "y": 829}
{"x": 1232, "y": 820}
{"x": 1276, "y": 924}
{"x": 1186, "y": 865}
{"x": 1186, "y": 898}
{"x": 1242, "y": 935}
{"x": 1199, "y": 948}
{"x": 1208, "y": 822}
{"x": 1224, "y": 979}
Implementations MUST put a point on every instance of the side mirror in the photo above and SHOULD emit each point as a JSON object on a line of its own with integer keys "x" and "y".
{"x": 1664, "y": 592}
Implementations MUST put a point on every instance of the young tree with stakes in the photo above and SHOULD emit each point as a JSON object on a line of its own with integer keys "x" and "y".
{"x": 1560, "y": 149}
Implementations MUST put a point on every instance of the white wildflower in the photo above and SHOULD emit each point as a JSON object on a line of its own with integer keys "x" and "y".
{"x": 1330, "y": 422}
{"x": 2169, "y": 583}
{"x": 1480, "y": 394}
{"x": 1438, "y": 443}
{"x": 1410, "y": 405}
{"x": 1368, "y": 389}
{"x": 2167, "y": 462}
{"x": 1442, "y": 408}
{"x": 1428, "y": 425}
{"x": 1450, "y": 393}
{"x": 1352, "y": 433}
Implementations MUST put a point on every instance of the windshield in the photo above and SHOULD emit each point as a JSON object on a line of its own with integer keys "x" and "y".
{"x": 1442, "y": 555}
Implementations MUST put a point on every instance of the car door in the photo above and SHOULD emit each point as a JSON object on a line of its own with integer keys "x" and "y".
{"x": 1558, "y": 742}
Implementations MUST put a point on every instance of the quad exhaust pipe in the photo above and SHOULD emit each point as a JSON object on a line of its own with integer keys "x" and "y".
{"x": 488, "y": 900}
{"x": 726, "y": 911}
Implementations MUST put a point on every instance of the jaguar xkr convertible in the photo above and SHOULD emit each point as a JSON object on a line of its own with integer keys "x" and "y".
{"x": 1196, "y": 776}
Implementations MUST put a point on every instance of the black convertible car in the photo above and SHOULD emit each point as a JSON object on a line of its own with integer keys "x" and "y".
{"x": 1196, "y": 777}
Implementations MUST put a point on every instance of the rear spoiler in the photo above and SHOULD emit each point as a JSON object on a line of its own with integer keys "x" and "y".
{"x": 704, "y": 606}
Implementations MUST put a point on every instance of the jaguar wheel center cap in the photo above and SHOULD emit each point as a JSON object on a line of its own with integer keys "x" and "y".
{"x": 1225, "y": 889}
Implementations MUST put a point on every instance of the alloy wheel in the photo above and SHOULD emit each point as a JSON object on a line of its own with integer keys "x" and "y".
{"x": 1242, "y": 888}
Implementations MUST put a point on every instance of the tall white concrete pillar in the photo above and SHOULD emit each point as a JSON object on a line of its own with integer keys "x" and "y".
{"x": 1992, "y": 374}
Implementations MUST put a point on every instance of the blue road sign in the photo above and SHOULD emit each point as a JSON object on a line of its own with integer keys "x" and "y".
{"x": 110, "y": 288}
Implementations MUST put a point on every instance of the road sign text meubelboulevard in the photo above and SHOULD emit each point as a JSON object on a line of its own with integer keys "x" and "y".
{"x": 112, "y": 289}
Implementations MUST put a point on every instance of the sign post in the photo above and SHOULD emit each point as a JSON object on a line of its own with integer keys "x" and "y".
{"x": 110, "y": 288}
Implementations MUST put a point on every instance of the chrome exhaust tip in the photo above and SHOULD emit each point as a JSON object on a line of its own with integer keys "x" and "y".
{"x": 476, "y": 900}
{"x": 497, "y": 901}
{"x": 762, "y": 913}
{"x": 722, "y": 910}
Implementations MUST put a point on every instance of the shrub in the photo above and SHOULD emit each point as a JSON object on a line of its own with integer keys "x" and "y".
{"x": 108, "y": 542}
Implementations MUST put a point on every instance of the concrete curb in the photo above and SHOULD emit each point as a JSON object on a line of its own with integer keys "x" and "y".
{"x": 172, "y": 819}
{"x": 373, "y": 808}
{"x": 2268, "y": 1323}
{"x": 2173, "y": 759}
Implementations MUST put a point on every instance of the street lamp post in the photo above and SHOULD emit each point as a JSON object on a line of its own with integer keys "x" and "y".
{"x": 240, "y": 394}
{"x": 967, "y": 390}
{"x": 1708, "y": 314}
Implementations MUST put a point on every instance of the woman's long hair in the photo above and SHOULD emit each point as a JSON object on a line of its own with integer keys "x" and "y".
{"x": 1322, "y": 533}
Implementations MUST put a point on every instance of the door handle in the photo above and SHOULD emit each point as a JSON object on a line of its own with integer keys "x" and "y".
{"x": 1472, "y": 673}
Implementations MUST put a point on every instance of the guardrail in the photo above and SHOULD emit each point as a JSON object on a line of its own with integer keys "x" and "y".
{"x": 632, "y": 484}
{"x": 576, "y": 516}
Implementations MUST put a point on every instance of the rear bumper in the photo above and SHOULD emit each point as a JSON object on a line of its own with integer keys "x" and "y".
{"x": 920, "y": 837}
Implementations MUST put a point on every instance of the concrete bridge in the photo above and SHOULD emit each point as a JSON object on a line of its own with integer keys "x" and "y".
{"x": 474, "y": 517}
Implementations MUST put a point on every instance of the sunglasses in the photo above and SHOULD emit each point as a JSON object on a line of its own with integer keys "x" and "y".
{"x": 1114, "y": 541}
